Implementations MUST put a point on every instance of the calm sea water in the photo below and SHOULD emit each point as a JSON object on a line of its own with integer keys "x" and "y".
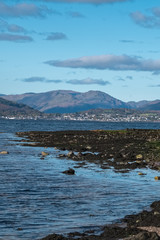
{"x": 36, "y": 199}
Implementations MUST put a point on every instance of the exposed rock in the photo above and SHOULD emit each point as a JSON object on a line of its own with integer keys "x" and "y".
{"x": 144, "y": 236}
{"x": 157, "y": 177}
{"x": 140, "y": 173}
{"x": 44, "y": 154}
{"x": 139, "y": 156}
{"x": 61, "y": 155}
{"x": 4, "y": 152}
{"x": 70, "y": 171}
{"x": 54, "y": 237}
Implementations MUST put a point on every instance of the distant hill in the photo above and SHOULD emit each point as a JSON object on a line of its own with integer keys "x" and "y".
{"x": 63, "y": 101}
{"x": 155, "y": 105}
{"x": 8, "y": 109}
{"x": 136, "y": 105}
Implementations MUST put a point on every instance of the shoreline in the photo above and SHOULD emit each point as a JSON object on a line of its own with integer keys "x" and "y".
{"x": 123, "y": 150}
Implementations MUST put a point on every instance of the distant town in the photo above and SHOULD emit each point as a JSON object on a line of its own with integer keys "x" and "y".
{"x": 76, "y": 106}
{"x": 103, "y": 115}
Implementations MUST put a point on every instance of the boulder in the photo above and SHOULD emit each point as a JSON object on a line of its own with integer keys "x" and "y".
{"x": 70, "y": 154}
{"x": 70, "y": 171}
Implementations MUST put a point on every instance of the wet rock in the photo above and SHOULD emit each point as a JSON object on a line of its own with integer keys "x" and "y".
{"x": 144, "y": 236}
{"x": 157, "y": 177}
{"x": 79, "y": 155}
{"x": 141, "y": 174}
{"x": 54, "y": 237}
{"x": 62, "y": 155}
{"x": 70, "y": 171}
{"x": 70, "y": 154}
{"x": 20, "y": 229}
{"x": 88, "y": 147}
{"x": 44, "y": 154}
{"x": 4, "y": 152}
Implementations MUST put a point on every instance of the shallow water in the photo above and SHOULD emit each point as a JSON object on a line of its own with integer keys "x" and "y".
{"x": 36, "y": 199}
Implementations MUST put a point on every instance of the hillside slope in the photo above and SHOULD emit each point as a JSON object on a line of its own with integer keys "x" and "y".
{"x": 63, "y": 101}
{"x": 9, "y": 108}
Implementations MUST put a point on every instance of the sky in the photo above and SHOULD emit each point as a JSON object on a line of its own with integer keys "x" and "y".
{"x": 111, "y": 46}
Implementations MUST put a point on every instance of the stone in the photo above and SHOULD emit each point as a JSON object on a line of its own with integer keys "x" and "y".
{"x": 4, "y": 152}
{"x": 88, "y": 147}
{"x": 70, "y": 154}
{"x": 156, "y": 213}
{"x": 144, "y": 236}
{"x": 157, "y": 177}
{"x": 20, "y": 229}
{"x": 44, "y": 154}
{"x": 62, "y": 155}
{"x": 139, "y": 156}
{"x": 140, "y": 173}
{"x": 70, "y": 171}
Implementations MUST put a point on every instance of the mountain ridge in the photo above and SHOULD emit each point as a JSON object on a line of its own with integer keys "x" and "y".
{"x": 62, "y": 101}
{"x": 68, "y": 101}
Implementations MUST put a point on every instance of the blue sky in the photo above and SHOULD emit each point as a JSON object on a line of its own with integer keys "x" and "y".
{"x": 107, "y": 45}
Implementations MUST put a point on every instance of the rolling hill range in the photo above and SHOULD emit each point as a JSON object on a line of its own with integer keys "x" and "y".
{"x": 64, "y": 101}
{"x": 8, "y": 108}
{"x": 145, "y": 105}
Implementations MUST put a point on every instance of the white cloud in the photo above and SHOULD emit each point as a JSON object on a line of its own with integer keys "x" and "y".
{"x": 56, "y": 36}
{"x": 88, "y": 81}
{"x": 39, "y": 79}
{"x": 109, "y": 62}
{"x": 87, "y": 1}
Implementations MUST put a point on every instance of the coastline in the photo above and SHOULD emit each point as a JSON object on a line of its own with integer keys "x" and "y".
{"x": 122, "y": 150}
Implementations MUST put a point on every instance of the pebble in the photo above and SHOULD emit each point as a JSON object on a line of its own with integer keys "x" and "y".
{"x": 4, "y": 152}
{"x": 157, "y": 177}
{"x": 44, "y": 154}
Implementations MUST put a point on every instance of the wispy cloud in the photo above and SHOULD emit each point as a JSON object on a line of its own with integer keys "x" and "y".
{"x": 23, "y": 10}
{"x": 4, "y": 26}
{"x": 15, "y": 38}
{"x": 147, "y": 21}
{"x": 109, "y": 62}
{"x": 123, "y": 79}
{"x": 88, "y": 81}
{"x": 39, "y": 79}
{"x": 156, "y": 73}
{"x": 75, "y": 15}
{"x": 158, "y": 85}
{"x": 87, "y": 1}
{"x": 56, "y": 36}
{"x": 127, "y": 41}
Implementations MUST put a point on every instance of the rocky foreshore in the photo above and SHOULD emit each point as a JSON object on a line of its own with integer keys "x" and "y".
{"x": 122, "y": 150}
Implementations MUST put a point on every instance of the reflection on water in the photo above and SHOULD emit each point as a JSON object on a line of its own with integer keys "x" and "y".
{"x": 36, "y": 199}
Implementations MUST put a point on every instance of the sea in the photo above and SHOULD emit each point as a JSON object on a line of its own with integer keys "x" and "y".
{"x": 37, "y": 199}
